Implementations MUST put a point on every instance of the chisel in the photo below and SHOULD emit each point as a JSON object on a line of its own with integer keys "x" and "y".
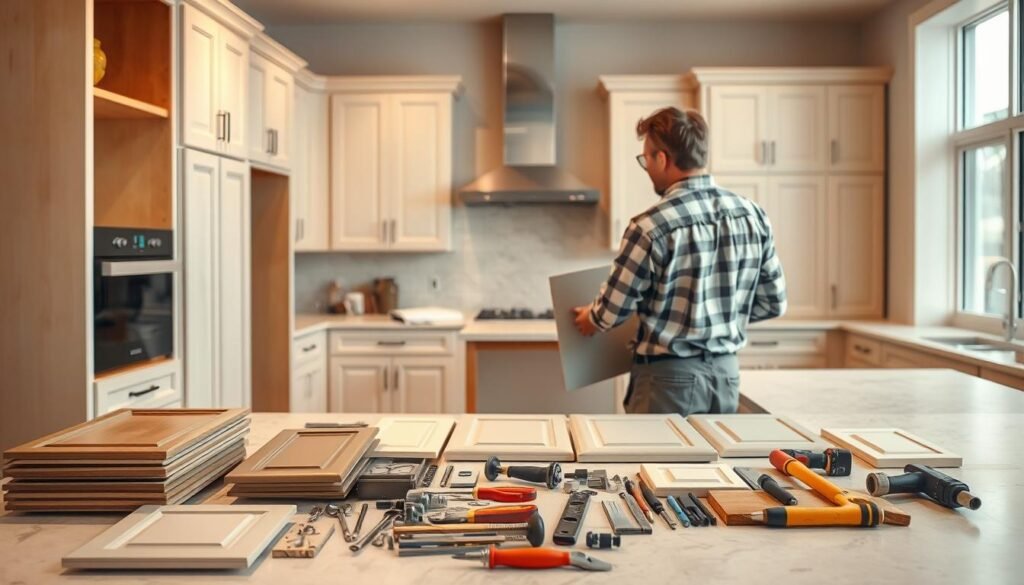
{"x": 655, "y": 504}
{"x": 639, "y": 497}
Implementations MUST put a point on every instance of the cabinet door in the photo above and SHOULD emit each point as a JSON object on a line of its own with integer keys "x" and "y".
{"x": 358, "y": 135}
{"x": 797, "y": 129}
{"x": 421, "y": 384}
{"x": 797, "y": 210}
{"x": 631, "y": 188}
{"x": 738, "y": 127}
{"x": 315, "y": 223}
{"x": 856, "y": 255}
{"x": 420, "y": 185}
{"x": 233, "y": 75}
{"x": 200, "y": 187}
{"x": 309, "y": 388}
{"x": 753, "y": 187}
{"x": 233, "y": 289}
{"x": 199, "y": 109}
{"x": 278, "y": 114}
{"x": 299, "y": 178}
{"x": 358, "y": 384}
{"x": 259, "y": 144}
{"x": 856, "y": 127}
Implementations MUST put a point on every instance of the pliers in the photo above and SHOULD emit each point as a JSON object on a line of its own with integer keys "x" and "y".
{"x": 534, "y": 558}
{"x": 507, "y": 494}
{"x": 492, "y": 515}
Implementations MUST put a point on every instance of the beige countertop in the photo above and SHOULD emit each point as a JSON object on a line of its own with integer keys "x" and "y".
{"x": 315, "y": 323}
{"x": 979, "y": 420}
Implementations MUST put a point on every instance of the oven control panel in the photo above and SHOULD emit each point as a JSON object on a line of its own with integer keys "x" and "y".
{"x": 131, "y": 242}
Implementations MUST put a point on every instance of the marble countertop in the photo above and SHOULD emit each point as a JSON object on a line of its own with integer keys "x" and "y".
{"x": 980, "y": 420}
{"x": 315, "y": 323}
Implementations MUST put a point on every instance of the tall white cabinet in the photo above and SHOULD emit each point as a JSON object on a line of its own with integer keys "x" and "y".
{"x": 310, "y": 192}
{"x": 809, "y": 146}
{"x": 391, "y": 163}
{"x": 216, "y": 245}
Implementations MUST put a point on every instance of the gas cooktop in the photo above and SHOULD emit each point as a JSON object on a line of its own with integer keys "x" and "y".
{"x": 513, "y": 314}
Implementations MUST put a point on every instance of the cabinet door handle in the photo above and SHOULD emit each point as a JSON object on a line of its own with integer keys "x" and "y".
{"x": 394, "y": 230}
{"x": 138, "y": 393}
{"x": 228, "y": 138}
{"x": 773, "y": 343}
{"x": 835, "y": 295}
{"x": 834, "y": 151}
{"x": 384, "y": 231}
{"x": 309, "y": 348}
{"x": 773, "y": 152}
{"x": 395, "y": 385}
{"x": 275, "y": 141}
{"x": 270, "y": 142}
{"x": 302, "y": 222}
{"x": 221, "y": 124}
{"x": 398, "y": 343}
{"x": 764, "y": 152}
{"x": 386, "y": 378}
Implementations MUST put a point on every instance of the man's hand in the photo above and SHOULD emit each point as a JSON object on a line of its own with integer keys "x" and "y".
{"x": 583, "y": 322}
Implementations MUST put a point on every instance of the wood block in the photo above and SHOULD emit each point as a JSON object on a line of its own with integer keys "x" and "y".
{"x": 313, "y": 544}
{"x": 734, "y": 507}
{"x": 891, "y": 447}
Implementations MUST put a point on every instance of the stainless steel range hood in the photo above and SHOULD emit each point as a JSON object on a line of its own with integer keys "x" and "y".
{"x": 529, "y": 174}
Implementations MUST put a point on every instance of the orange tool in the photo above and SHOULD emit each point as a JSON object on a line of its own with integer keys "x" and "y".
{"x": 534, "y": 558}
{"x": 492, "y": 515}
{"x": 847, "y": 511}
{"x": 507, "y": 494}
{"x": 634, "y": 490}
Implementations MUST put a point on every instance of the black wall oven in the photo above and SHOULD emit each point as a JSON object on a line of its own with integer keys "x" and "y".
{"x": 133, "y": 296}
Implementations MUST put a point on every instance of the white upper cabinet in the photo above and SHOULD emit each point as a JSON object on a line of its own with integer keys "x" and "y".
{"x": 214, "y": 82}
{"x": 631, "y": 98}
{"x": 310, "y": 194}
{"x": 738, "y": 124}
{"x": 271, "y": 85}
{"x": 856, "y": 128}
{"x": 391, "y": 167}
{"x": 797, "y": 129}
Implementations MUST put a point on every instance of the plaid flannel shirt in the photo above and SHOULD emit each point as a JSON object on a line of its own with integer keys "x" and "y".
{"x": 695, "y": 267}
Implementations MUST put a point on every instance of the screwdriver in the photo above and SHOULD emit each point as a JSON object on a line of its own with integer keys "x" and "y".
{"x": 674, "y": 504}
{"x": 655, "y": 504}
{"x": 639, "y": 497}
{"x": 534, "y": 558}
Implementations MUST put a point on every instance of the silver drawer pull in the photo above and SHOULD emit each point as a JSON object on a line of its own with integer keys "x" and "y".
{"x": 138, "y": 393}
{"x": 764, "y": 343}
{"x": 391, "y": 343}
{"x": 309, "y": 348}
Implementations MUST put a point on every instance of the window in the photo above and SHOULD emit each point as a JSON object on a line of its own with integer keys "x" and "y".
{"x": 987, "y": 228}
{"x": 986, "y": 69}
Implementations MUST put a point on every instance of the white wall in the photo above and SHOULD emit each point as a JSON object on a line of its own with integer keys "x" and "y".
{"x": 503, "y": 256}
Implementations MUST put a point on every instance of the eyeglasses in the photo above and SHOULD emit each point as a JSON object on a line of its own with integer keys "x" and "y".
{"x": 642, "y": 161}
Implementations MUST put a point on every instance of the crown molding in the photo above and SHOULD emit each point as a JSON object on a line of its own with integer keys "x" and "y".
{"x": 276, "y": 52}
{"x": 230, "y": 16}
{"x": 612, "y": 83}
{"x": 311, "y": 81}
{"x": 789, "y": 75}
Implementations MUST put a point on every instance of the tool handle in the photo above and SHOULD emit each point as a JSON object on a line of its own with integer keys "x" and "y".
{"x": 773, "y": 489}
{"x": 650, "y": 498}
{"x": 866, "y": 514}
{"x": 503, "y": 514}
{"x": 819, "y": 484}
{"x": 529, "y": 473}
{"x": 506, "y": 494}
{"x": 637, "y": 495}
{"x": 528, "y": 558}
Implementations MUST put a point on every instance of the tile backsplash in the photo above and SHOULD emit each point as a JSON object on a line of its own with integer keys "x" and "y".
{"x": 502, "y": 257}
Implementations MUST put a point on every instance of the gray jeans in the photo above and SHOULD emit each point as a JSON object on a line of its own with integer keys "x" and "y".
{"x": 694, "y": 385}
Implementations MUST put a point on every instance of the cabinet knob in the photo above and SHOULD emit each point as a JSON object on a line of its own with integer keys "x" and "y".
{"x": 138, "y": 393}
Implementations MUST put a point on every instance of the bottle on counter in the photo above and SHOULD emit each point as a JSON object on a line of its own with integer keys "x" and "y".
{"x": 385, "y": 292}
{"x": 336, "y": 297}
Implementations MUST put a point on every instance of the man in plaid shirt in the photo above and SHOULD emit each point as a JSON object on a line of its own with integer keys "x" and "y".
{"x": 696, "y": 268}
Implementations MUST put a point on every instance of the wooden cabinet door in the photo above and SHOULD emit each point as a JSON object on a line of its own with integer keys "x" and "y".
{"x": 421, "y": 384}
{"x": 410, "y": 436}
{"x": 796, "y": 207}
{"x": 233, "y": 78}
{"x": 259, "y": 144}
{"x": 233, "y": 318}
{"x": 309, "y": 388}
{"x": 797, "y": 129}
{"x": 358, "y": 137}
{"x": 637, "y": 437}
{"x": 515, "y": 437}
{"x": 891, "y": 448}
{"x": 753, "y": 187}
{"x": 754, "y": 435}
{"x": 856, "y": 127}
{"x": 200, "y": 209}
{"x": 299, "y": 456}
{"x": 738, "y": 128}
{"x": 199, "y": 108}
{"x": 277, "y": 113}
{"x": 420, "y": 183}
{"x": 631, "y": 188}
{"x": 358, "y": 384}
{"x": 678, "y": 479}
{"x": 856, "y": 246}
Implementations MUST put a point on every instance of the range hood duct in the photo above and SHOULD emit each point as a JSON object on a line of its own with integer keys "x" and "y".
{"x": 530, "y": 173}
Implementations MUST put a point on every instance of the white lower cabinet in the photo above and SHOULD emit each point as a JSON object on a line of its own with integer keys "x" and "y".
{"x": 389, "y": 372}
{"x": 770, "y": 350}
{"x": 157, "y": 386}
{"x": 308, "y": 392}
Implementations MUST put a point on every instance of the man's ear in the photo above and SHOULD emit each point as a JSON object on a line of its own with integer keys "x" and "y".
{"x": 663, "y": 160}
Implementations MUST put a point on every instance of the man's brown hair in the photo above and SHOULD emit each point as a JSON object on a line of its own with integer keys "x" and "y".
{"x": 682, "y": 135}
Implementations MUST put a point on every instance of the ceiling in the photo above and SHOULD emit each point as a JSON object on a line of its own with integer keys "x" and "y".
{"x": 275, "y": 12}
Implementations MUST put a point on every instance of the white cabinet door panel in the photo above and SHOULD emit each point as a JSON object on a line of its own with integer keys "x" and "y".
{"x": 856, "y": 208}
{"x": 421, "y": 153}
{"x": 856, "y": 126}
{"x": 358, "y": 384}
{"x": 418, "y": 437}
{"x": 638, "y": 437}
{"x": 420, "y": 384}
{"x": 200, "y": 194}
{"x": 199, "y": 79}
{"x": 890, "y": 447}
{"x": 678, "y": 479}
{"x": 754, "y": 435}
{"x": 233, "y": 286}
{"x": 511, "y": 437}
{"x": 256, "y": 120}
{"x": 233, "y": 77}
{"x": 797, "y": 209}
{"x": 358, "y": 137}
{"x": 278, "y": 113}
{"x": 798, "y": 129}
{"x": 739, "y": 128}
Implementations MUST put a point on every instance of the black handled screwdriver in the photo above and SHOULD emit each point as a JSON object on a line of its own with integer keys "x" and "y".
{"x": 655, "y": 504}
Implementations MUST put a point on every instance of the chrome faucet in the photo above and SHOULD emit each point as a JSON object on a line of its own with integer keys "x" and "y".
{"x": 1010, "y": 321}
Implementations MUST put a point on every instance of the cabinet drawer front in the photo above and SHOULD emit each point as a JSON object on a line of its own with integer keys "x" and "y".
{"x": 900, "y": 357}
{"x": 309, "y": 348}
{"x": 159, "y": 391}
{"x": 387, "y": 343}
{"x": 784, "y": 343}
{"x": 864, "y": 349}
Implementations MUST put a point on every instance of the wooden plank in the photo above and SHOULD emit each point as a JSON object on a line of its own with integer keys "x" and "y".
{"x": 287, "y": 546}
{"x": 514, "y": 437}
{"x": 156, "y": 435}
{"x": 677, "y": 479}
{"x": 891, "y": 447}
{"x": 754, "y": 435}
{"x": 306, "y": 456}
{"x": 271, "y": 293}
{"x": 109, "y": 105}
{"x": 638, "y": 437}
{"x": 174, "y": 537}
{"x": 735, "y": 507}
{"x": 413, "y": 437}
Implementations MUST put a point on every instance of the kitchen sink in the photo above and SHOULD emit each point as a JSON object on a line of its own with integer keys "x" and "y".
{"x": 993, "y": 350}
